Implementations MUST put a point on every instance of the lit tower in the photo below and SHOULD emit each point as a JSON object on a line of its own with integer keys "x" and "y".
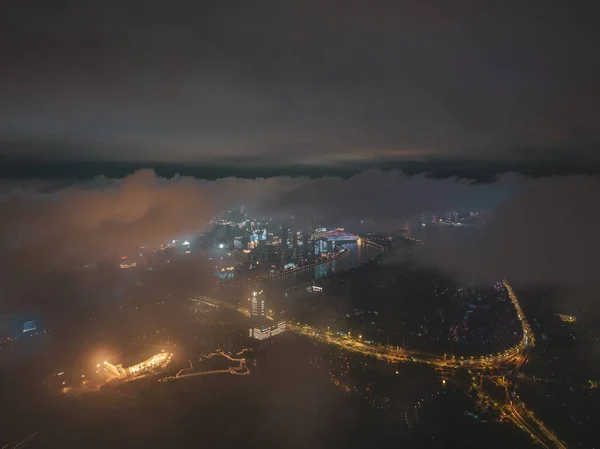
{"x": 257, "y": 309}
{"x": 284, "y": 238}
{"x": 306, "y": 243}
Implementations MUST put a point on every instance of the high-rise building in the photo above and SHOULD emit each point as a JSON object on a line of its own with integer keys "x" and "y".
{"x": 305, "y": 243}
{"x": 257, "y": 309}
{"x": 330, "y": 246}
{"x": 320, "y": 246}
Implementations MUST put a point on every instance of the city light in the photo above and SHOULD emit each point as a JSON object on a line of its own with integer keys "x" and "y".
{"x": 275, "y": 267}
{"x": 508, "y": 357}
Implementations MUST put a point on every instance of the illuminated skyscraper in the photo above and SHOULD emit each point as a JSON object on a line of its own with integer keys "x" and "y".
{"x": 320, "y": 246}
{"x": 257, "y": 309}
{"x": 306, "y": 250}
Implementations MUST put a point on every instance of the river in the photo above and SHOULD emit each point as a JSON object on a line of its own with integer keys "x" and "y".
{"x": 358, "y": 254}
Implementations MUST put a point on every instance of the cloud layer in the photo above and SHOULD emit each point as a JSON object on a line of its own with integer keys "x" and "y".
{"x": 83, "y": 224}
{"x": 548, "y": 233}
{"x": 66, "y": 224}
{"x": 543, "y": 230}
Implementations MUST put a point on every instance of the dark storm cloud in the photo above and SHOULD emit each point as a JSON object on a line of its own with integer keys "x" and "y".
{"x": 288, "y": 82}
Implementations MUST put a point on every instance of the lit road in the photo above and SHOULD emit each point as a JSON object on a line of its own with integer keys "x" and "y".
{"x": 525, "y": 420}
{"x": 21, "y": 444}
{"x": 514, "y": 356}
{"x": 513, "y": 409}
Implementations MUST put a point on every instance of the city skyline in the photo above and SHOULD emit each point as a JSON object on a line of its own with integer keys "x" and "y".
{"x": 299, "y": 224}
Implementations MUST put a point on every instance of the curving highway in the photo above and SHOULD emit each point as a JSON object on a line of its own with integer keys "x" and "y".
{"x": 512, "y": 357}
{"x": 513, "y": 409}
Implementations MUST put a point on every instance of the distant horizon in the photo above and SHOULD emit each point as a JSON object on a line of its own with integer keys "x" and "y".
{"x": 55, "y": 168}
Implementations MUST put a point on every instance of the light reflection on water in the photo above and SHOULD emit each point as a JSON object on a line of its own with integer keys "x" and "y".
{"x": 274, "y": 287}
{"x": 358, "y": 254}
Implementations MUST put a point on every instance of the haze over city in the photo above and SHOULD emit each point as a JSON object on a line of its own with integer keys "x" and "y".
{"x": 381, "y": 217}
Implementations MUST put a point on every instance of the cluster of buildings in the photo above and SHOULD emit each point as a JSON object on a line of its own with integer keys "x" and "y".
{"x": 262, "y": 327}
{"x": 471, "y": 218}
{"x": 239, "y": 244}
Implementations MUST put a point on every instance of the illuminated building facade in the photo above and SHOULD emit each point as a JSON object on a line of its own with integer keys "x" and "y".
{"x": 306, "y": 244}
{"x": 226, "y": 273}
{"x": 262, "y": 333}
{"x": 127, "y": 263}
{"x": 284, "y": 238}
{"x": 157, "y": 361}
{"x": 154, "y": 362}
{"x": 320, "y": 246}
{"x": 28, "y": 326}
{"x": 330, "y": 246}
{"x": 257, "y": 309}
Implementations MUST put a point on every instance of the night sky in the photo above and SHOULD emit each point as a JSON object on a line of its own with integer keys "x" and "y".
{"x": 269, "y": 87}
